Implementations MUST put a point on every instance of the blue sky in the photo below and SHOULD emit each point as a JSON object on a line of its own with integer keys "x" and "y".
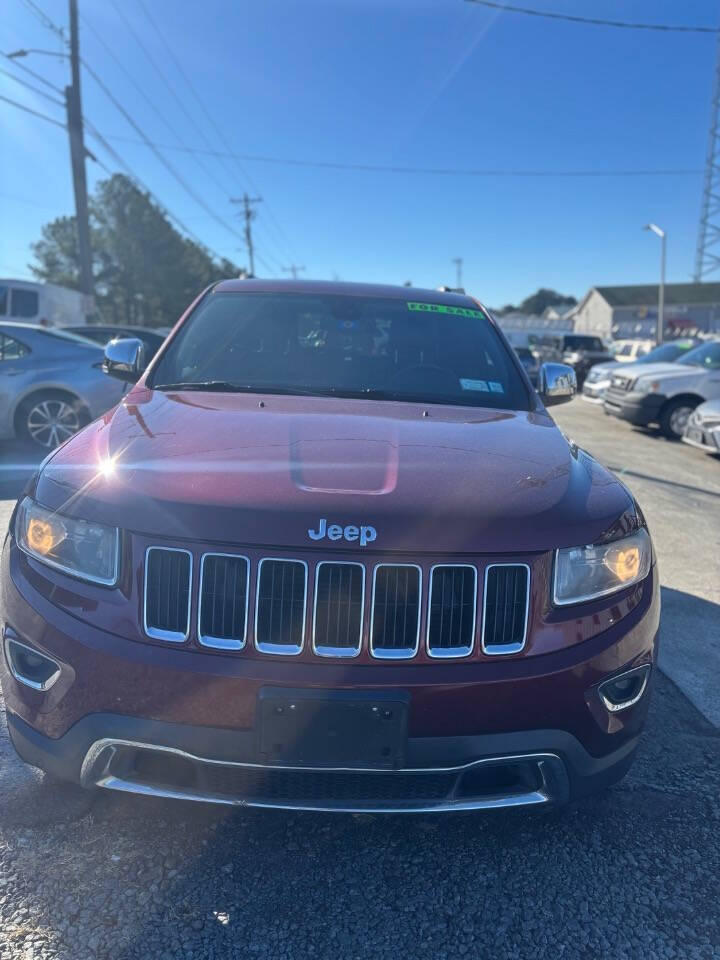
{"x": 429, "y": 83}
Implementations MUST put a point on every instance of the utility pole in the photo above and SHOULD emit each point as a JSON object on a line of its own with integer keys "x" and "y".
{"x": 249, "y": 215}
{"x": 659, "y": 232}
{"x": 707, "y": 257}
{"x": 458, "y": 267}
{"x": 73, "y": 106}
{"x": 294, "y": 269}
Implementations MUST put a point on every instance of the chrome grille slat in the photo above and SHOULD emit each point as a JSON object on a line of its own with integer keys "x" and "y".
{"x": 280, "y": 606}
{"x": 506, "y": 597}
{"x": 396, "y": 602}
{"x": 338, "y": 608}
{"x": 451, "y": 610}
{"x": 166, "y": 593}
{"x": 223, "y": 604}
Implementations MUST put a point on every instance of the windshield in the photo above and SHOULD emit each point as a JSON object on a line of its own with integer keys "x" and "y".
{"x": 583, "y": 343}
{"x": 707, "y": 355}
{"x": 343, "y": 345}
{"x": 57, "y": 334}
{"x": 666, "y": 353}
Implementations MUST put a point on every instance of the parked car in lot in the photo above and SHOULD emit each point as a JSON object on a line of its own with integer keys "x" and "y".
{"x": 666, "y": 393}
{"x": 51, "y": 384}
{"x": 703, "y": 427}
{"x": 598, "y": 379}
{"x": 580, "y": 351}
{"x": 355, "y": 570}
{"x": 103, "y": 333}
{"x": 629, "y": 351}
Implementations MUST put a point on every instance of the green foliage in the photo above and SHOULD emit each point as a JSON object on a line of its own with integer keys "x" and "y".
{"x": 545, "y": 298}
{"x": 145, "y": 271}
{"x": 538, "y": 302}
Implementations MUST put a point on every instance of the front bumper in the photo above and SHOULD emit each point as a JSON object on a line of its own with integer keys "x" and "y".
{"x": 594, "y": 392}
{"x": 703, "y": 438}
{"x": 148, "y": 719}
{"x": 640, "y": 410}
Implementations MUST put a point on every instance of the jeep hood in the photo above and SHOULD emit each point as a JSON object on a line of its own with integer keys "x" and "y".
{"x": 243, "y": 469}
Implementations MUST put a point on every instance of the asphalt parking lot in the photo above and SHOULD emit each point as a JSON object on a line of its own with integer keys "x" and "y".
{"x": 631, "y": 873}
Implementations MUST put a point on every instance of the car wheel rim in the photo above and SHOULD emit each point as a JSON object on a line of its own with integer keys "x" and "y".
{"x": 678, "y": 420}
{"x": 50, "y": 422}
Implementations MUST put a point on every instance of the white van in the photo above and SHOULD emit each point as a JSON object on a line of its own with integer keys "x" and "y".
{"x": 48, "y": 304}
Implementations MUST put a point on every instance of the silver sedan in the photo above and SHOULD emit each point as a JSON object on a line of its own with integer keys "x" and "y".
{"x": 703, "y": 427}
{"x": 51, "y": 384}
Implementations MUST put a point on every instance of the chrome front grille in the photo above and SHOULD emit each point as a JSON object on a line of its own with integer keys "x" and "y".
{"x": 507, "y": 598}
{"x": 280, "y": 607}
{"x": 223, "y": 608}
{"x": 346, "y": 612}
{"x": 395, "y": 621}
{"x": 339, "y": 608}
{"x": 451, "y": 616}
{"x": 166, "y": 609}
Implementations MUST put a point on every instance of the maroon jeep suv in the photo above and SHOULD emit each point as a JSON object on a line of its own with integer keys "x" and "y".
{"x": 330, "y": 552}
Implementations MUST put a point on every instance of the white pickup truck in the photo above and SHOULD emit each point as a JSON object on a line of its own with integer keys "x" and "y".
{"x": 665, "y": 393}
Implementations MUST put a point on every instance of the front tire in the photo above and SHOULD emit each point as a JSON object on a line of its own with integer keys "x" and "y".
{"x": 674, "y": 418}
{"x": 49, "y": 418}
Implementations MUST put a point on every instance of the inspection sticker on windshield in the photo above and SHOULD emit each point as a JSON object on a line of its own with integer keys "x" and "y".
{"x": 444, "y": 308}
{"x": 474, "y": 385}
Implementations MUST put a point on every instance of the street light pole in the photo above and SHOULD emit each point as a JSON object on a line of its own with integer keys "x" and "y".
{"x": 661, "y": 291}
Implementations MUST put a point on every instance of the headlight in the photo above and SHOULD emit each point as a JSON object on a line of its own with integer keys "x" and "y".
{"x": 78, "y": 547}
{"x": 584, "y": 573}
{"x": 645, "y": 386}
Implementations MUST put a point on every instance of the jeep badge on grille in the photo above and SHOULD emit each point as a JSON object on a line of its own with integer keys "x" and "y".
{"x": 362, "y": 534}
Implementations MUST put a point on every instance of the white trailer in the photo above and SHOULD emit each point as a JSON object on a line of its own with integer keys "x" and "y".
{"x": 48, "y": 304}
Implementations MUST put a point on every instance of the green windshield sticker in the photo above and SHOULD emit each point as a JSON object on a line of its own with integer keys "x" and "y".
{"x": 444, "y": 308}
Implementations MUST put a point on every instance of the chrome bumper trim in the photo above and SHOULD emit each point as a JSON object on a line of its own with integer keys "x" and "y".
{"x": 97, "y": 771}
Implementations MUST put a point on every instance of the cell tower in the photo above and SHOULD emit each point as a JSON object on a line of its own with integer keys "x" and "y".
{"x": 707, "y": 257}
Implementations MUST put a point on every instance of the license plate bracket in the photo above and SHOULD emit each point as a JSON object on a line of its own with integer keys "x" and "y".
{"x": 332, "y": 728}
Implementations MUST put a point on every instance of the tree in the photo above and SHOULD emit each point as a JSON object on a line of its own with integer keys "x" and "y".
{"x": 536, "y": 303}
{"x": 145, "y": 271}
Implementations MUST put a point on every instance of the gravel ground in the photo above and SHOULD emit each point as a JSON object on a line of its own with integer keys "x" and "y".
{"x": 631, "y": 873}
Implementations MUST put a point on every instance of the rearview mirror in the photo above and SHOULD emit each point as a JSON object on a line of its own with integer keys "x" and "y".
{"x": 557, "y": 383}
{"x": 124, "y": 359}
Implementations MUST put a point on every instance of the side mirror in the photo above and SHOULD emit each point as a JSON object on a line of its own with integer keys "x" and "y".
{"x": 124, "y": 359}
{"x": 557, "y": 383}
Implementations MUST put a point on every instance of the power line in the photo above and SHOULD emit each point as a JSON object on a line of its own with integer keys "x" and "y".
{"x": 153, "y": 106}
{"x": 435, "y": 171}
{"x": 21, "y": 66}
{"x": 593, "y": 21}
{"x": 166, "y": 163}
{"x": 35, "y": 113}
{"x": 139, "y": 184}
{"x": 45, "y": 20}
{"x": 210, "y": 119}
{"x": 30, "y": 86}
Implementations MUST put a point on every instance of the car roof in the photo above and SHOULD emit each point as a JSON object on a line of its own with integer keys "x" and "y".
{"x": 341, "y": 288}
{"x": 18, "y": 325}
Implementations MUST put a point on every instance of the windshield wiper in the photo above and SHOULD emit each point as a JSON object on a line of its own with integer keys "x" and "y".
{"x": 231, "y": 386}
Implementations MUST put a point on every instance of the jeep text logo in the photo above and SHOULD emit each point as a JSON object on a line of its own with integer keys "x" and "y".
{"x": 351, "y": 533}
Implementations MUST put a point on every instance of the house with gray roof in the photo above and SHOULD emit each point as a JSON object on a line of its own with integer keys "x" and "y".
{"x": 631, "y": 312}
